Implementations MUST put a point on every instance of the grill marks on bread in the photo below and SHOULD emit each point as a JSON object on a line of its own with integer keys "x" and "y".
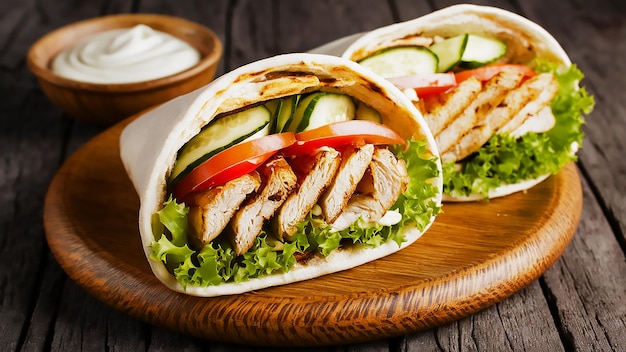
{"x": 465, "y": 118}
{"x": 358, "y": 182}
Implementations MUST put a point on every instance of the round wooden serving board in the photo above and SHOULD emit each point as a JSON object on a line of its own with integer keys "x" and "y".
{"x": 473, "y": 256}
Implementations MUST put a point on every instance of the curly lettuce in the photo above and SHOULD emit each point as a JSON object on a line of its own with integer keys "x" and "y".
{"x": 217, "y": 263}
{"x": 507, "y": 160}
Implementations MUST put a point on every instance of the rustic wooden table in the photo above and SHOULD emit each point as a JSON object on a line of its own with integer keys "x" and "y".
{"x": 578, "y": 304}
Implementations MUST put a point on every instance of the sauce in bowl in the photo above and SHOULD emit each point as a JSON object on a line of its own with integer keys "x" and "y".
{"x": 130, "y": 55}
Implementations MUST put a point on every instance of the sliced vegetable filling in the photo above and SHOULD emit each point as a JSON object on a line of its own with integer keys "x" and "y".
{"x": 321, "y": 178}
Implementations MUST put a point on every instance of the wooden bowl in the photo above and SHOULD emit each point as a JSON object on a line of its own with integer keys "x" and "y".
{"x": 105, "y": 104}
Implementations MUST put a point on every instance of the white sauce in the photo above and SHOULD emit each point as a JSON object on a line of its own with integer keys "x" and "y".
{"x": 390, "y": 218}
{"x": 129, "y": 55}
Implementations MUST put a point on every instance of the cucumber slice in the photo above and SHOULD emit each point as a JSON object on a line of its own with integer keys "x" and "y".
{"x": 365, "y": 112}
{"x": 273, "y": 106}
{"x": 321, "y": 108}
{"x": 402, "y": 61}
{"x": 284, "y": 112}
{"x": 298, "y": 112}
{"x": 480, "y": 51}
{"x": 449, "y": 51}
{"x": 219, "y": 135}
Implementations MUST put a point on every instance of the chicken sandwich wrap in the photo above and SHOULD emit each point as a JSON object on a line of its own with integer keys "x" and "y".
{"x": 283, "y": 170}
{"x": 498, "y": 92}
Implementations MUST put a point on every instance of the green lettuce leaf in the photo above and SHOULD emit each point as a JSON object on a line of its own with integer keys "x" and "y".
{"x": 507, "y": 160}
{"x": 174, "y": 217}
{"x": 217, "y": 263}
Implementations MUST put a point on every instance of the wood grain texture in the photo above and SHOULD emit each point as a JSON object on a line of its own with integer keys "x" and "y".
{"x": 583, "y": 284}
{"x": 475, "y": 255}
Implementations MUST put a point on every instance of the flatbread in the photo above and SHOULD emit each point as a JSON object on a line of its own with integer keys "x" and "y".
{"x": 524, "y": 38}
{"x": 150, "y": 143}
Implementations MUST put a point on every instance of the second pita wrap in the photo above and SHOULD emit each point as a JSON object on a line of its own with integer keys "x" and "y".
{"x": 498, "y": 92}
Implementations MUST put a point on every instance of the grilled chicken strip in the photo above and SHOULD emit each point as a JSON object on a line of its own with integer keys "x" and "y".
{"x": 547, "y": 86}
{"x": 278, "y": 181}
{"x": 354, "y": 163}
{"x": 492, "y": 94}
{"x": 316, "y": 176}
{"x": 517, "y": 106}
{"x": 487, "y": 124}
{"x": 440, "y": 110}
{"x": 377, "y": 191}
{"x": 216, "y": 206}
{"x": 542, "y": 121}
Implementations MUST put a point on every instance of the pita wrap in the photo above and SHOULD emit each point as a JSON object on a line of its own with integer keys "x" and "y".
{"x": 149, "y": 147}
{"x": 526, "y": 43}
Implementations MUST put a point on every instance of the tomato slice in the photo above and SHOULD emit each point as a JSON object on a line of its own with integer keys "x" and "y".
{"x": 424, "y": 92}
{"x": 340, "y": 134}
{"x": 231, "y": 163}
{"x": 485, "y": 73}
{"x": 426, "y": 84}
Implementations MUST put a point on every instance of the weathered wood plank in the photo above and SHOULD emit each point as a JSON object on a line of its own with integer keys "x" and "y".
{"x": 587, "y": 285}
{"x": 297, "y": 26}
{"x": 212, "y": 14}
{"x": 408, "y": 10}
{"x": 13, "y": 14}
{"x": 522, "y": 322}
{"x": 83, "y": 323}
{"x": 44, "y": 313}
{"x": 32, "y": 144}
{"x": 304, "y": 26}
